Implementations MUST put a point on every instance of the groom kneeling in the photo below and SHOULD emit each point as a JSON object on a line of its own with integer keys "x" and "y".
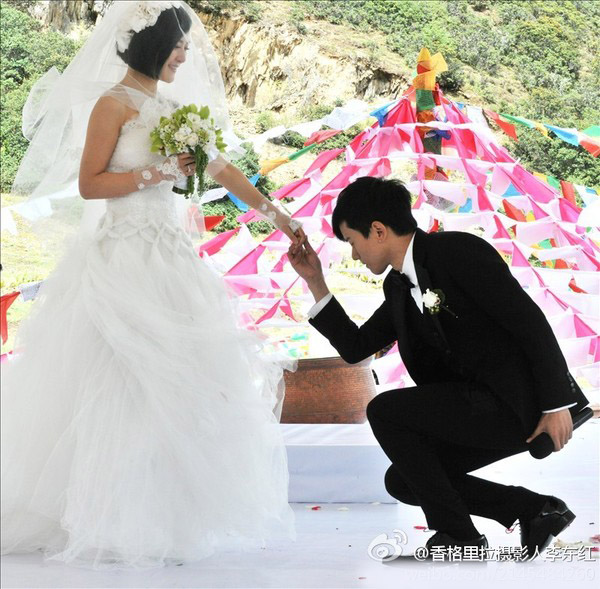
{"x": 489, "y": 372}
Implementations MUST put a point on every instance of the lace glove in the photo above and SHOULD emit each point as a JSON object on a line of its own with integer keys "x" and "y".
{"x": 168, "y": 171}
{"x": 280, "y": 219}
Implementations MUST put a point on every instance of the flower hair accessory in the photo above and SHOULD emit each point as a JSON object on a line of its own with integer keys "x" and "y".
{"x": 141, "y": 16}
{"x": 433, "y": 300}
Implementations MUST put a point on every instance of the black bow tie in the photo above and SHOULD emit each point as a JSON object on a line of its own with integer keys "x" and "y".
{"x": 400, "y": 279}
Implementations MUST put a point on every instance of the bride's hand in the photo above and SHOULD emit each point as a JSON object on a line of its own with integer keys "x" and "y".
{"x": 187, "y": 163}
{"x": 291, "y": 228}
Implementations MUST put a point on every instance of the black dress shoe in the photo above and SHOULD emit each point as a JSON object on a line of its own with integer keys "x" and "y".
{"x": 446, "y": 541}
{"x": 538, "y": 532}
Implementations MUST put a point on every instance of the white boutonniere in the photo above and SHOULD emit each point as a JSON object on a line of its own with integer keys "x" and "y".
{"x": 434, "y": 301}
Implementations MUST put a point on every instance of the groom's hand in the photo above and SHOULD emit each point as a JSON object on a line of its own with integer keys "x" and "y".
{"x": 558, "y": 425}
{"x": 306, "y": 263}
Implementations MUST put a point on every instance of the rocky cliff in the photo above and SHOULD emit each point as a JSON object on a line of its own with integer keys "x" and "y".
{"x": 271, "y": 65}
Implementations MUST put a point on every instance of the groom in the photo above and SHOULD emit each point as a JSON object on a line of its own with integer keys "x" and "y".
{"x": 489, "y": 372}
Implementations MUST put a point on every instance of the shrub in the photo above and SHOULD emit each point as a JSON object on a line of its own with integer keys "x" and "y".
{"x": 26, "y": 53}
{"x": 266, "y": 120}
{"x": 252, "y": 11}
{"x": 453, "y": 79}
{"x": 557, "y": 158}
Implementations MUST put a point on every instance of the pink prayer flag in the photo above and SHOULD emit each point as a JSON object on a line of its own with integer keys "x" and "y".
{"x": 582, "y": 329}
{"x": 597, "y": 350}
{"x": 398, "y": 141}
{"x": 343, "y": 178}
{"x": 293, "y": 189}
{"x": 241, "y": 288}
{"x": 323, "y": 159}
{"x": 355, "y": 144}
{"x": 518, "y": 258}
{"x": 286, "y": 307}
{"x": 270, "y": 313}
{"x": 327, "y": 208}
{"x": 416, "y": 143}
{"x": 500, "y": 154}
{"x": 538, "y": 212}
{"x": 326, "y": 228}
{"x": 216, "y": 243}
{"x": 421, "y": 200}
{"x": 483, "y": 202}
{"x": 568, "y": 211}
{"x": 381, "y": 169}
{"x": 575, "y": 240}
{"x": 403, "y": 112}
{"x": 320, "y": 136}
{"x": 280, "y": 264}
{"x": 454, "y": 114}
{"x": 473, "y": 174}
{"x": 248, "y": 264}
{"x": 501, "y": 230}
{"x": 277, "y": 235}
{"x": 587, "y": 262}
{"x": 527, "y": 183}
{"x": 558, "y": 300}
{"x": 309, "y": 209}
{"x": 248, "y": 216}
{"x": 463, "y": 140}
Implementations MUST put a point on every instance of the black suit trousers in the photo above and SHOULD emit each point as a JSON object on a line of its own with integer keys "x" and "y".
{"x": 434, "y": 435}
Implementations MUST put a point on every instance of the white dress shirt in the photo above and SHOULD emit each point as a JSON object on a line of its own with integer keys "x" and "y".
{"x": 408, "y": 268}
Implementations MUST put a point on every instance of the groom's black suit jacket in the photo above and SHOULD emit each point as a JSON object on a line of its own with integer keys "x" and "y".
{"x": 499, "y": 338}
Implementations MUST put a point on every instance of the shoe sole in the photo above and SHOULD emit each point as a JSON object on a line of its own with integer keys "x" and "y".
{"x": 562, "y": 523}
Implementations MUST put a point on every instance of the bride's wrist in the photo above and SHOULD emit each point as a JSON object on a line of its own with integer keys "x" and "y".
{"x": 148, "y": 176}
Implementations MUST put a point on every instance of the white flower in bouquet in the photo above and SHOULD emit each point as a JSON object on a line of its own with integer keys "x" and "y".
{"x": 195, "y": 121}
{"x": 189, "y": 129}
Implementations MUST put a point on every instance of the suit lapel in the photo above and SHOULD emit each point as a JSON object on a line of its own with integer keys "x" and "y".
{"x": 397, "y": 294}
{"x": 419, "y": 257}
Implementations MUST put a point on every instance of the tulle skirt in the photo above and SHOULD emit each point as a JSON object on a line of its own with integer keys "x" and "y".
{"x": 137, "y": 423}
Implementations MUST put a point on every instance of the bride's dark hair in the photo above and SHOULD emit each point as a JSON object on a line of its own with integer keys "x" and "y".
{"x": 149, "y": 49}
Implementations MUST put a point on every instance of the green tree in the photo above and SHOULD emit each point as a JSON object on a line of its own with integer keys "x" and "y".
{"x": 26, "y": 53}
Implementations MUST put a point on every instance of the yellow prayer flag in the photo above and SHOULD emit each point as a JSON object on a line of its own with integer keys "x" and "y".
{"x": 425, "y": 81}
{"x": 269, "y": 165}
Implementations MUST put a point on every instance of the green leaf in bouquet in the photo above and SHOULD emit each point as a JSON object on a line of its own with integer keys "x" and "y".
{"x": 204, "y": 112}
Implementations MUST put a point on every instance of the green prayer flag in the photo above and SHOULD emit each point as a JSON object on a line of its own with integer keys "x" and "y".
{"x": 553, "y": 182}
{"x": 425, "y": 100}
{"x": 519, "y": 120}
{"x": 302, "y": 151}
{"x": 593, "y": 131}
{"x": 433, "y": 144}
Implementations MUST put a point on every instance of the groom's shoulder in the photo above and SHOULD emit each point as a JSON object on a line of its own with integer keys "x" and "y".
{"x": 444, "y": 241}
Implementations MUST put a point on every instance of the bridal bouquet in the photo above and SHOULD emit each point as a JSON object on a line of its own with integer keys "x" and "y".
{"x": 190, "y": 129}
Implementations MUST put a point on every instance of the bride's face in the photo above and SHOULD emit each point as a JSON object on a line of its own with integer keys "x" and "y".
{"x": 177, "y": 57}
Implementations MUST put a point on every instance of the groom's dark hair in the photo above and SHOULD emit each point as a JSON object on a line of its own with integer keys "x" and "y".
{"x": 150, "y": 48}
{"x": 374, "y": 199}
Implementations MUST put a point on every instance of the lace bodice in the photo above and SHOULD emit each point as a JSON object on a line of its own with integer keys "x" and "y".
{"x": 155, "y": 203}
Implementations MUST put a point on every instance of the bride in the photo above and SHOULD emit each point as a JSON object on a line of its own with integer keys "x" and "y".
{"x": 138, "y": 422}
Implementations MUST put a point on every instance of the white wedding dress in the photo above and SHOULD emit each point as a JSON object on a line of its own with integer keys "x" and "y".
{"x": 137, "y": 424}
